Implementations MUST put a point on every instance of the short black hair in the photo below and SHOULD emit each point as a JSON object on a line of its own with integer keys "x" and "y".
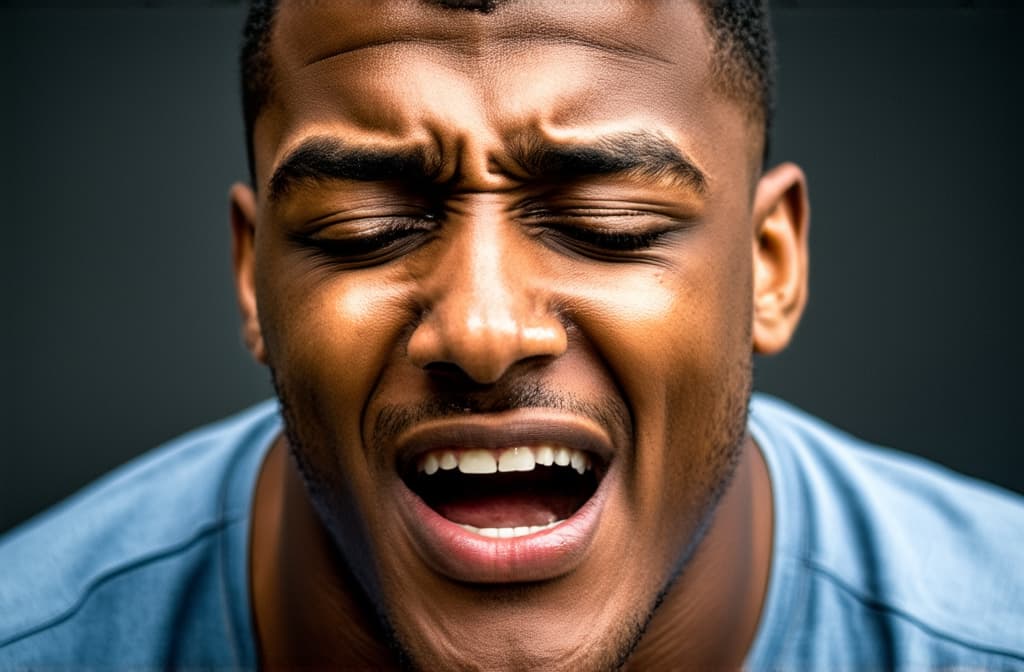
{"x": 743, "y": 57}
{"x": 254, "y": 69}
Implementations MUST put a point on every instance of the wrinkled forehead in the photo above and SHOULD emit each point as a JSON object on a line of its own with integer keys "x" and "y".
{"x": 413, "y": 70}
{"x": 309, "y": 30}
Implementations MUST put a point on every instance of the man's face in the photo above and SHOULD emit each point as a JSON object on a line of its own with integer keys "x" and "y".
{"x": 507, "y": 240}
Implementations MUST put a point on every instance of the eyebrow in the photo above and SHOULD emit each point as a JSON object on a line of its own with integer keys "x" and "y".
{"x": 639, "y": 153}
{"x": 327, "y": 158}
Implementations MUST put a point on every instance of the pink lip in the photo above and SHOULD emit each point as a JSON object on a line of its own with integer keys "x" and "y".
{"x": 504, "y": 430}
{"x": 464, "y": 556}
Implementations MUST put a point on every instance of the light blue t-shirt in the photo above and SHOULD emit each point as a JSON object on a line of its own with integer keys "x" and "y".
{"x": 880, "y": 560}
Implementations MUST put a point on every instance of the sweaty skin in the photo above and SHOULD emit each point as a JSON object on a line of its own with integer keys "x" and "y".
{"x": 426, "y": 249}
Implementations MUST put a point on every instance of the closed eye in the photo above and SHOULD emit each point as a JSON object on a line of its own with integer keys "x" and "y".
{"x": 602, "y": 232}
{"x": 617, "y": 241}
{"x": 367, "y": 242}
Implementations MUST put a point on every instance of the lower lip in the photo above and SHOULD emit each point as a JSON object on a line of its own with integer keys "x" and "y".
{"x": 464, "y": 556}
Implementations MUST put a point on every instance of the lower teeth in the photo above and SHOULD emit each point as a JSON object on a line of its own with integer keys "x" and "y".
{"x": 508, "y": 532}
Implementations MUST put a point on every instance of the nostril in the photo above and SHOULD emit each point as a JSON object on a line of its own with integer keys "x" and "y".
{"x": 446, "y": 370}
{"x": 456, "y": 339}
{"x": 454, "y": 377}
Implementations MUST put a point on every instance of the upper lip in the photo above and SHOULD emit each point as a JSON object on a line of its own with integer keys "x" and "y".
{"x": 521, "y": 427}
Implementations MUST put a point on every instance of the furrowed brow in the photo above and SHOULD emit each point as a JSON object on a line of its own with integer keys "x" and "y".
{"x": 328, "y": 158}
{"x": 640, "y": 153}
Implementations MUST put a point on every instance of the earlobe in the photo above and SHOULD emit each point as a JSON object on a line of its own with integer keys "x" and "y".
{"x": 781, "y": 220}
{"x": 243, "y": 238}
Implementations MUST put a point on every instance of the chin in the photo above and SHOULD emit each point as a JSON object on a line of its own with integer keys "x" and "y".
{"x": 525, "y": 641}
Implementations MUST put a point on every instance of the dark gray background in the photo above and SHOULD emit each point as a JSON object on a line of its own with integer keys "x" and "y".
{"x": 121, "y": 133}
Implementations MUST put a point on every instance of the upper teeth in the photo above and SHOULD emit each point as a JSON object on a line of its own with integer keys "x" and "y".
{"x": 520, "y": 458}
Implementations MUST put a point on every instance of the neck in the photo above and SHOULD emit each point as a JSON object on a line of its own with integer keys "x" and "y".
{"x": 309, "y": 610}
{"x": 708, "y": 618}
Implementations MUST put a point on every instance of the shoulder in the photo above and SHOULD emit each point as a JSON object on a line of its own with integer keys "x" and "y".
{"x": 106, "y": 576}
{"x": 899, "y": 550}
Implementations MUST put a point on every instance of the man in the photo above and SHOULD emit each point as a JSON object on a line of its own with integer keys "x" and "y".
{"x": 508, "y": 263}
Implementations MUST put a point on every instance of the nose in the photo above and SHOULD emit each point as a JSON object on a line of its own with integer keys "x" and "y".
{"x": 488, "y": 306}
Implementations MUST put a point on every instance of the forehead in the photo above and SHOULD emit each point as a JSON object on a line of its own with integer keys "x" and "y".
{"x": 414, "y": 71}
{"x": 644, "y": 28}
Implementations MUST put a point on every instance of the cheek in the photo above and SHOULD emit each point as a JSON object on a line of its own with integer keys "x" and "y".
{"x": 666, "y": 333}
{"x": 676, "y": 340}
{"x": 328, "y": 336}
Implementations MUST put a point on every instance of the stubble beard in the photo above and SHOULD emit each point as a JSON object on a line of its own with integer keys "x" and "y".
{"x": 723, "y": 462}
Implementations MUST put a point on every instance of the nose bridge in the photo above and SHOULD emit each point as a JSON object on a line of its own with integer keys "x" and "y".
{"x": 487, "y": 304}
{"x": 480, "y": 289}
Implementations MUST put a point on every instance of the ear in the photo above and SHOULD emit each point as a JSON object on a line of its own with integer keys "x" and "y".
{"x": 781, "y": 220}
{"x": 243, "y": 238}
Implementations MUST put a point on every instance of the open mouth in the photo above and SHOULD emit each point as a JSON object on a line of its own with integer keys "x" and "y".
{"x": 505, "y": 493}
{"x": 507, "y": 497}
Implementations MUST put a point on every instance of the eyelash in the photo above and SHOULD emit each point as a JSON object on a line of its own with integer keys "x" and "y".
{"x": 384, "y": 242}
{"x": 584, "y": 232}
{"x": 386, "y": 239}
{"x": 613, "y": 241}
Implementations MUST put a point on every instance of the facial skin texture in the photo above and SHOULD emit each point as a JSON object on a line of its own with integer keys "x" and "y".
{"x": 502, "y": 299}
